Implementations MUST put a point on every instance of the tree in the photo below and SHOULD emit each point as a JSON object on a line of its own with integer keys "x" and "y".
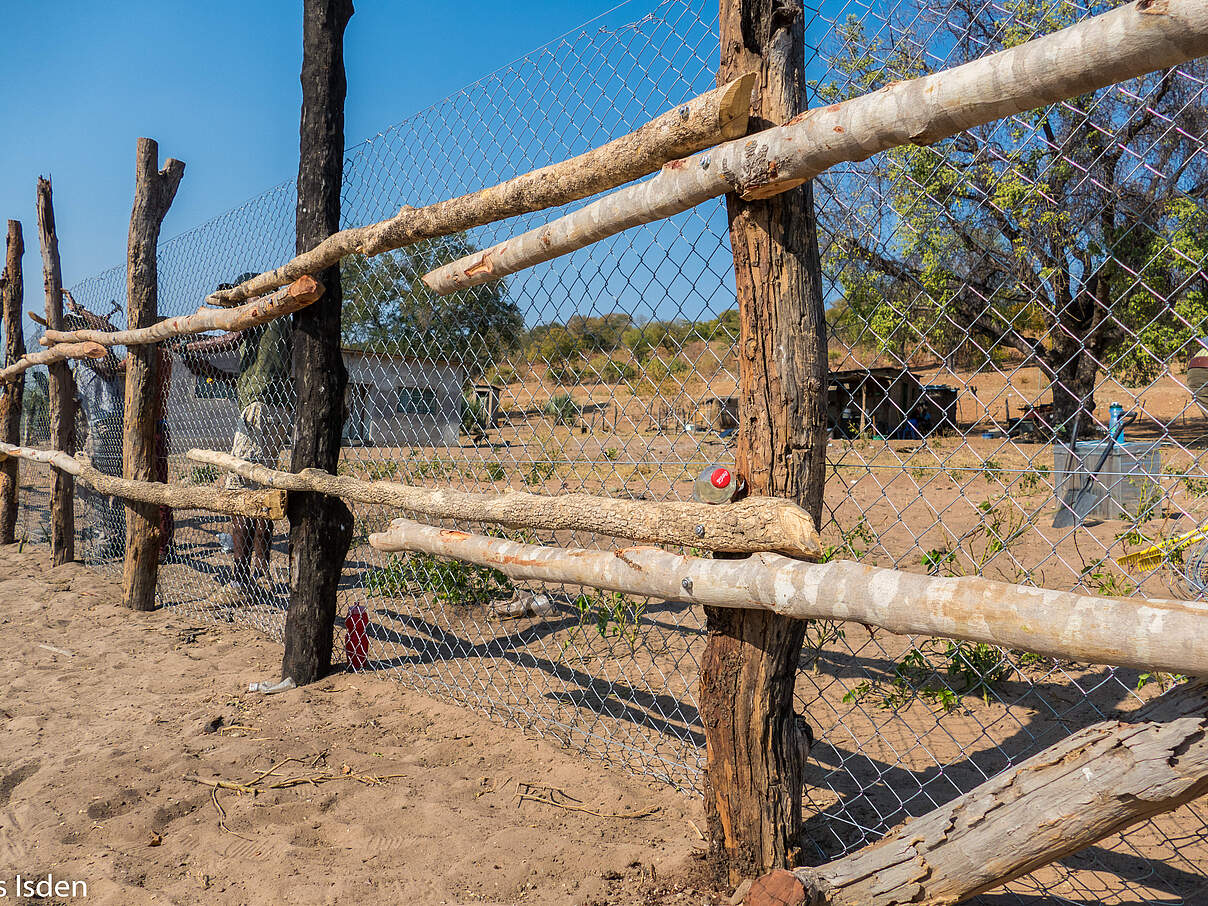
{"x": 1073, "y": 235}
{"x": 388, "y": 309}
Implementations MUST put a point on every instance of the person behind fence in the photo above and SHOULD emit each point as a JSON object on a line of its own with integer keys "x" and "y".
{"x": 112, "y": 372}
{"x": 101, "y": 390}
{"x": 264, "y": 392}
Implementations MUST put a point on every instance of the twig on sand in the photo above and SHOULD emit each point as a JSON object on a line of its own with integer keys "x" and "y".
{"x": 528, "y": 793}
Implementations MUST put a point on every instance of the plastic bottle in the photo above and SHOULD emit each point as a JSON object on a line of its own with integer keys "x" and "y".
{"x": 356, "y": 639}
{"x": 1115, "y": 411}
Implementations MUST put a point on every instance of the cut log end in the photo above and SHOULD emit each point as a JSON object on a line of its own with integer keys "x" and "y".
{"x": 734, "y": 110}
{"x": 306, "y": 289}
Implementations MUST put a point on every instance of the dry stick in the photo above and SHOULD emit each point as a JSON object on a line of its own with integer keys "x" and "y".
{"x": 64, "y": 351}
{"x": 285, "y": 301}
{"x": 1095, "y": 783}
{"x": 62, "y": 389}
{"x": 12, "y": 290}
{"x": 754, "y": 524}
{"x": 154, "y": 189}
{"x": 716, "y": 116}
{"x": 1127, "y": 42}
{"x": 1153, "y": 633}
{"x": 257, "y": 504}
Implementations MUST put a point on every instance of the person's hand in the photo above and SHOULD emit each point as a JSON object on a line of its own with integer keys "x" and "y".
{"x": 253, "y": 415}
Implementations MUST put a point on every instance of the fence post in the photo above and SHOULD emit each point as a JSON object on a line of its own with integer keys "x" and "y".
{"x": 756, "y": 744}
{"x": 13, "y": 289}
{"x": 320, "y": 527}
{"x": 154, "y": 190}
{"x": 62, "y": 386}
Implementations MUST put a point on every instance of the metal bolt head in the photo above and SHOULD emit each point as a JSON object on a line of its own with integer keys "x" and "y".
{"x": 699, "y": 531}
{"x": 686, "y": 584}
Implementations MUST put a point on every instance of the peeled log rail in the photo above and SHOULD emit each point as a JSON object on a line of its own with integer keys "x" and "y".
{"x": 60, "y": 353}
{"x": 1095, "y": 783}
{"x": 302, "y": 292}
{"x": 256, "y": 504}
{"x": 754, "y": 524}
{"x": 1155, "y": 634}
{"x": 715, "y": 116}
{"x": 1127, "y": 42}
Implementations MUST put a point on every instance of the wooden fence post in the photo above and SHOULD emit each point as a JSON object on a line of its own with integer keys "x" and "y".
{"x": 154, "y": 190}
{"x": 13, "y": 289}
{"x": 756, "y": 745}
{"x": 320, "y": 527}
{"x": 62, "y": 386}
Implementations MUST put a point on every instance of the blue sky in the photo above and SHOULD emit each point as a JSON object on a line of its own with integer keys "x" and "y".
{"x": 216, "y": 84}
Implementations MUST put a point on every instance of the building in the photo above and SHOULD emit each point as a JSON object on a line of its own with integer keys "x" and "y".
{"x": 889, "y": 402}
{"x": 392, "y": 401}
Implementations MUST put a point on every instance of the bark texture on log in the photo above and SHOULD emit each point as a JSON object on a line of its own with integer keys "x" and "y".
{"x": 1130, "y": 41}
{"x": 756, "y": 745}
{"x": 154, "y": 189}
{"x": 61, "y": 353}
{"x": 62, "y": 386}
{"x": 320, "y": 526}
{"x": 12, "y": 297}
{"x": 716, "y": 116}
{"x": 285, "y": 301}
{"x": 753, "y": 524}
{"x": 253, "y": 504}
{"x": 1095, "y": 783}
{"x": 1148, "y": 634}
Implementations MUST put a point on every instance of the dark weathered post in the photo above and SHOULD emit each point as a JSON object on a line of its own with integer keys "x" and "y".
{"x": 320, "y": 527}
{"x": 12, "y": 288}
{"x": 154, "y": 190}
{"x": 62, "y": 387}
{"x": 756, "y": 744}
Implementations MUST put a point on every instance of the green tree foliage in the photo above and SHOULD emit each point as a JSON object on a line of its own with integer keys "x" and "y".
{"x": 1075, "y": 236}
{"x": 605, "y": 347}
{"x": 388, "y": 309}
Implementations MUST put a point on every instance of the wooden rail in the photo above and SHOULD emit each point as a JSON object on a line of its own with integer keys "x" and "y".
{"x": 256, "y": 504}
{"x": 754, "y": 524}
{"x": 1149, "y": 634}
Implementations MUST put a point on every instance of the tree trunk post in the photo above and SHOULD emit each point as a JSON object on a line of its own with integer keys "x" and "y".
{"x": 154, "y": 189}
{"x": 320, "y": 527}
{"x": 62, "y": 386}
{"x": 755, "y": 744}
{"x": 13, "y": 289}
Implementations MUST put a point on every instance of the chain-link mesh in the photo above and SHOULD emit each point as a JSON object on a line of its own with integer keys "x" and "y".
{"x": 990, "y": 297}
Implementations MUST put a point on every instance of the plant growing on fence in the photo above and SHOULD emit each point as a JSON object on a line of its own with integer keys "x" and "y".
{"x": 611, "y": 613}
{"x": 447, "y": 581}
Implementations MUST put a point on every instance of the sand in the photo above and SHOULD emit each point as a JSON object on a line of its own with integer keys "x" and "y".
{"x": 105, "y": 713}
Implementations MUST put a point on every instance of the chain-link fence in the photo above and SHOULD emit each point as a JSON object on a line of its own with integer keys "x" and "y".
{"x": 990, "y": 298}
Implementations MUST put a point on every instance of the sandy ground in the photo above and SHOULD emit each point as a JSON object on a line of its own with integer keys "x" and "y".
{"x": 105, "y": 713}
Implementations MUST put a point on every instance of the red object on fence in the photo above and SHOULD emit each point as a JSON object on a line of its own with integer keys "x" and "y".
{"x": 721, "y": 478}
{"x": 356, "y": 639}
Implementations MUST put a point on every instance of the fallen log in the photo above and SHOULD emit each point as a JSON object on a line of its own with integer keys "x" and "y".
{"x": 1157, "y": 634}
{"x": 713, "y": 117}
{"x": 1130, "y": 41}
{"x": 60, "y": 353}
{"x": 754, "y": 524}
{"x": 1097, "y": 782}
{"x": 257, "y": 504}
{"x": 287, "y": 300}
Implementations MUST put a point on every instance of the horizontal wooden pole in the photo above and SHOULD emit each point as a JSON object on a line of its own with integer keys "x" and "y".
{"x": 1130, "y": 41}
{"x": 754, "y": 524}
{"x": 713, "y": 117}
{"x": 1147, "y": 634}
{"x": 302, "y": 292}
{"x": 255, "y": 504}
{"x": 1096, "y": 782}
{"x": 50, "y": 356}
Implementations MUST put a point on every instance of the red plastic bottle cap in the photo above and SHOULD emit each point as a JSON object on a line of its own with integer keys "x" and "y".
{"x": 720, "y": 478}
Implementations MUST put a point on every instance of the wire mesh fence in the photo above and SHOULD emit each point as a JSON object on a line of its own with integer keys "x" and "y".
{"x": 990, "y": 299}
